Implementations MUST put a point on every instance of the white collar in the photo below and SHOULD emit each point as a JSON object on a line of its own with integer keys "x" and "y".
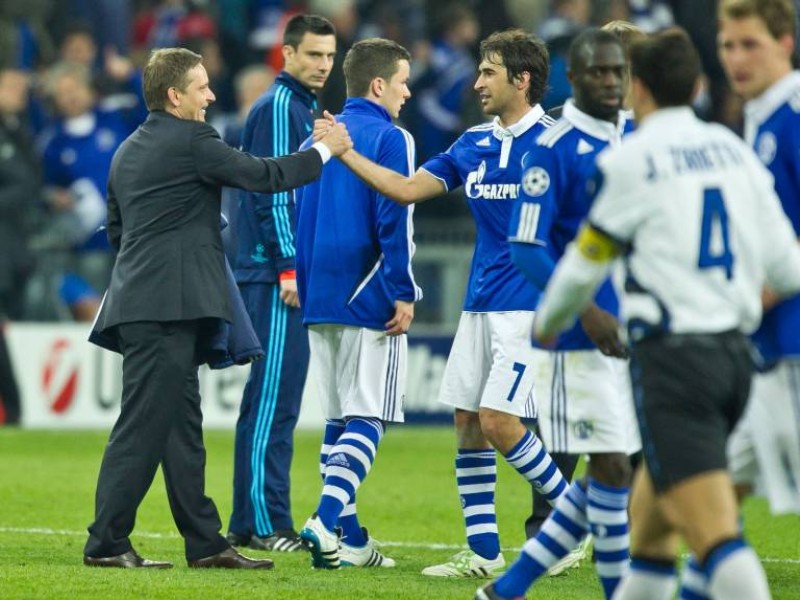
{"x": 759, "y": 109}
{"x": 597, "y": 128}
{"x": 667, "y": 115}
{"x": 528, "y": 120}
{"x": 80, "y": 126}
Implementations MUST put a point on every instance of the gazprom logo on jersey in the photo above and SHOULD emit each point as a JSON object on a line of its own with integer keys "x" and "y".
{"x": 475, "y": 188}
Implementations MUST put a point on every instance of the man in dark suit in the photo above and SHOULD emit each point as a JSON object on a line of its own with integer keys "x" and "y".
{"x": 167, "y": 296}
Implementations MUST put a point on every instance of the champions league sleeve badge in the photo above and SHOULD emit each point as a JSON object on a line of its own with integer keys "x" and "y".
{"x": 535, "y": 181}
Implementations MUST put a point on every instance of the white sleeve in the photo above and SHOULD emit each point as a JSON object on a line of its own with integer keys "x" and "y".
{"x": 618, "y": 208}
{"x": 569, "y": 292}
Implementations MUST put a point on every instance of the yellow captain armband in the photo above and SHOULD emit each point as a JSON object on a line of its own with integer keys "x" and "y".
{"x": 596, "y": 246}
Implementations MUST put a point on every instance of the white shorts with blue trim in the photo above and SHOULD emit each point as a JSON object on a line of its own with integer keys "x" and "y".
{"x": 359, "y": 372}
{"x": 585, "y": 403}
{"x": 491, "y": 364}
{"x": 764, "y": 449}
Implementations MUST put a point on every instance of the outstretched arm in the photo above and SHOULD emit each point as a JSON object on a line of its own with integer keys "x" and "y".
{"x": 571, "y": 288}
{"x": 404, "y": 190}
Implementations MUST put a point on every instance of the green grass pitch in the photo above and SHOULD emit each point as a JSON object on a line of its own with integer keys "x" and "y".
{"x": 409, "y": 502}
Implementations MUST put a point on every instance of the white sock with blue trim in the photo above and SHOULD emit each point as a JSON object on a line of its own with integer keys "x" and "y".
{"x": 735, "y": 573}
{"x": 647, "y": 580}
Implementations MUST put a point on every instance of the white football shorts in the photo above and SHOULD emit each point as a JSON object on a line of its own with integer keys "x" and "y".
{"x": 585, "y": 403}
{"x": 491, "y": 364}
{"x": 764, "y": 449}
{"x": 360, "y": 372}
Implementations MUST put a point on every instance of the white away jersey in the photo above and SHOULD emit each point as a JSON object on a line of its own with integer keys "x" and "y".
{"x": 487, "y": 161}
{"x": 704, "y": 225}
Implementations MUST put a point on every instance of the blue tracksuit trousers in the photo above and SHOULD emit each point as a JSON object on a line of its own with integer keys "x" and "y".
{"x": 268, "y": 415}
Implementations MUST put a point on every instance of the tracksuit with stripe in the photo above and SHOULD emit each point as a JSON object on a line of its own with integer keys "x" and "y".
{"x": 354, "y": 251}
{"x": 277, "y": 124}
{"x": 354, "y": 246}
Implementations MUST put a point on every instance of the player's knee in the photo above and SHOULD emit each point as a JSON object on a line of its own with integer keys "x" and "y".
{"x": 468, "y": 429}
{"x": 611, "y": 469}
{"x": 500, "y": 429}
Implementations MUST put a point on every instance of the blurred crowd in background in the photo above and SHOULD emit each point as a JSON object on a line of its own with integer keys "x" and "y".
{"x": 70, "y": 93}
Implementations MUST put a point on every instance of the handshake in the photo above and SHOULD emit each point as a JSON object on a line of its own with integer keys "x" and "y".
{"x": 334, "y": 135}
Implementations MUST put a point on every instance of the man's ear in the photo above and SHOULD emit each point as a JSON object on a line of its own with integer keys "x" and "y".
{"x": 377, "y": 86}
{"x": 787, "y": 43}
{"x": 173, "y": 95}
{"x": 288, "y": 53}
{"x": 522, "y": 80}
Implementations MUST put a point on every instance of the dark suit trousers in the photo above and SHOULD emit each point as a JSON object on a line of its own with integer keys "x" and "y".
{"x": 159, "y": 423}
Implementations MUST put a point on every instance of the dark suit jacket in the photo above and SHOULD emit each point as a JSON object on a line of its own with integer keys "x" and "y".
{"x": 164, "y": 213}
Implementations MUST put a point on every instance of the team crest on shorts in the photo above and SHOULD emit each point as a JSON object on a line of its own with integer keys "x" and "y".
{"x": 583, "y": 429}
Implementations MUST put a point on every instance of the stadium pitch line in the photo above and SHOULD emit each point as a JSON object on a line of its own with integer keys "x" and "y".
{"x": 413, "y": 545}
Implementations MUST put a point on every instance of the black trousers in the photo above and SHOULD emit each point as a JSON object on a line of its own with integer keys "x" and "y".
{"x": 159, "y": 423}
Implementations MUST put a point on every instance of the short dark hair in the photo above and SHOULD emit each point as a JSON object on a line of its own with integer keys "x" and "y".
{"x": 520, "y": 51}
{"x": 368, "y": 59}
{"x": 668, "y": 64}
{"x": 299, "y": 25}
{"x": 166, "y": 68}
{"x": 589, "y": 37}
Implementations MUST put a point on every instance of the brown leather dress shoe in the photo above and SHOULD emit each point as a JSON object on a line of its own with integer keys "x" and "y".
{"x": 230, "y": 559}
{"x": 128, "y": 560}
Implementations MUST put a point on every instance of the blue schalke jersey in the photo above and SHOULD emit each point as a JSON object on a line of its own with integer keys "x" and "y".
{"x": 487, "y": 160}
{"x": 772, "y": 127}
{"x": 554, "y": 199}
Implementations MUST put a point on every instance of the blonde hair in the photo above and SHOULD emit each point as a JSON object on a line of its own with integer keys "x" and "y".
{"x": 627, "y": 33}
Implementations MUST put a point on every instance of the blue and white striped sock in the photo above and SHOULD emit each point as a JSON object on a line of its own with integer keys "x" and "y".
{"x": 348, "y": 464}
{"x": 694, "y": 585}
{"x": 334, "y": 428}
{"x": 476, "y": 476}
{"x": 348, "y": 519}
{"x": 607, "y": 513}
{"x": 561, "y": 532}
{"x": 647, "y": 580}
{"x": 533, "y": 462}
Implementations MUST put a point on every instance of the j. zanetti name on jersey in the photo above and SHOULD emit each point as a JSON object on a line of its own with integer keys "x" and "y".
{"x": 474, "y": 188}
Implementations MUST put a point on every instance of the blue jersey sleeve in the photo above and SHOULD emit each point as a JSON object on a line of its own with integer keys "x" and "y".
{"x": 534, "y": 213}
{"x": 444, "y": 166}
{"x": 272, "y": 131}
{"x": 394, "y": 222}
{"x": 791, "y": 202}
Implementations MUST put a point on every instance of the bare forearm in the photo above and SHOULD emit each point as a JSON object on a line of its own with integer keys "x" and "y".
{"x": 393, "y": 185}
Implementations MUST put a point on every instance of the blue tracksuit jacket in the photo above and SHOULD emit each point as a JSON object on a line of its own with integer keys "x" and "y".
{"x": 277, "y": 124}
{"x": 354, "y": 246}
